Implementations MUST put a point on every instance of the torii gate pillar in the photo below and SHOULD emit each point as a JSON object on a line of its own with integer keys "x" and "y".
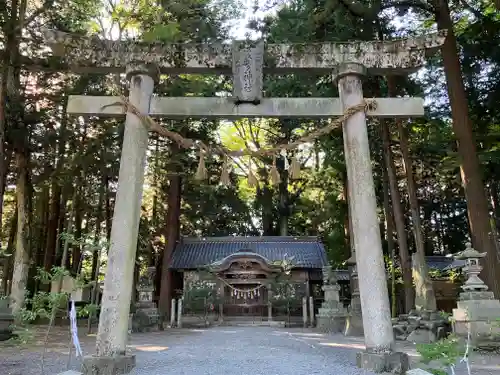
{"x": 111, "y": 356}
{"x": 379, "y": 337}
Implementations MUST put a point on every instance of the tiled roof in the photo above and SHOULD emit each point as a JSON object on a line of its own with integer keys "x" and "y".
{"x": 191, "y": 253}
{"x": 440, "y": 262}
{"x": 443, "y": 263}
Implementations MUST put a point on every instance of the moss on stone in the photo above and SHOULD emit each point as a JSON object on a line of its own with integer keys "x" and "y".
{"x": 99, "y": 55}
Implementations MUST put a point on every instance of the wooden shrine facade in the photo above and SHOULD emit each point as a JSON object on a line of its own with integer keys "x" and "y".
{"x": 246, "y": 267}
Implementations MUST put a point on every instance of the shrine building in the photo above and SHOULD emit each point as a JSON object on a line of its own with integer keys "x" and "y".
{"x": 245, "y": 268}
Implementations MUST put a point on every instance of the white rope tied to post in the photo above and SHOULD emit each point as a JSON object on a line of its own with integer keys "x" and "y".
{"x": 465, "y": 358}
{"x": 74, "y": 330}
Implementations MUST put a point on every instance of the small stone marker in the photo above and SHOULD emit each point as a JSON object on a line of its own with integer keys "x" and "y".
{"x": 179, "y": 313}
{"x": 172, "y": 312}
{"x": 304, "y": 311}
{"x": 311, "y": 311}
{"x": 417, "y": 371}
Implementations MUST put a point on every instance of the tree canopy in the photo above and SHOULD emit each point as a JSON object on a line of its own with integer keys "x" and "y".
{"x": 58, "y": 173}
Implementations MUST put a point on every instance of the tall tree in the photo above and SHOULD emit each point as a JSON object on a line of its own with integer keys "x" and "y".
{"x": 15, "y": 114}
{"x": 477, "y": 205}
{"x": 399, "y": 217}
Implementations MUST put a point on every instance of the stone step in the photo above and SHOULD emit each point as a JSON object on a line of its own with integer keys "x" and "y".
{"x": 240, "y": 323}
{"x": 417, "y": 371}
{"x": 245, "y": 318}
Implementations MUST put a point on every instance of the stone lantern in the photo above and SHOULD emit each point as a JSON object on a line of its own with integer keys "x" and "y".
{"x": 477, "y": 307}
{"x": 354, "y": 319}
{"x": 355, "y": 300}
{"x": 146, "y": 315}
{"x": 145, "y": 288}
{"x": 472, "y": 269}
{"x": 331, "y": 314}
{"x": 6, "y": 317}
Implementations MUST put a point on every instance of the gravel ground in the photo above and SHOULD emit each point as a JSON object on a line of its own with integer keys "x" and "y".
{"x": 247, "y": 350}
{"x": 222, "y": 350}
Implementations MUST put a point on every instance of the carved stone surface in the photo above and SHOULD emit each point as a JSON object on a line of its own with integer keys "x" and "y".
{"x": 145, "y": 320}
{"x": 331, "y": 315}
{"x": 472, "y": 269}
{"x": 354, "y": 320}
{"x": 146, "y": 316}
{"x": 247, "y": 72}
{"x": 421, "y": 327}
{"x": 91, "y": 54}
{"x": 329, "y": 277}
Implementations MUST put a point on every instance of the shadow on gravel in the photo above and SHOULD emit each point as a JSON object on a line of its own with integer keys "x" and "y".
{"x": 26, "y": 359}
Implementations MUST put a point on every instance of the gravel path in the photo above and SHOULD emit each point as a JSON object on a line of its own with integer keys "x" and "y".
{"x": 246, "y": 350}
{"x": 222, "y": 350}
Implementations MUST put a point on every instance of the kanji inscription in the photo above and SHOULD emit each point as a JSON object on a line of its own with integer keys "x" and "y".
{"x": 247, "y": 72}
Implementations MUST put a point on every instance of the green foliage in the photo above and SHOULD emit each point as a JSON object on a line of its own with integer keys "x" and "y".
{"x": 392, "y": 268}
{"x": 199, "y": 296}
{"x": 445, "y": 353}
{"x": 454, "y": 275}
{"x": 45, "y": 305}
{"x": 64, "y": 148}
{"x": 285, "y": 294}
{"x": 89, "y": 310}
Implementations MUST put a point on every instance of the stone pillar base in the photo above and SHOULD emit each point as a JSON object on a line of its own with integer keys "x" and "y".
{"x": 354, "y": 325}
{"x": 122, "y": 364}
{"x": 330, "y": 324}
{"x": 395, "y": 362}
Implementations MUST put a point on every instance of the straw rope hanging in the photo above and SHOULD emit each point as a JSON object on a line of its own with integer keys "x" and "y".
{"x": 224, "y": 176}
{"x": 252, "y": 180}
{"x": 201, "y": 173}
{"x": 294, "y": 171}
{"x": 275, "y": 175}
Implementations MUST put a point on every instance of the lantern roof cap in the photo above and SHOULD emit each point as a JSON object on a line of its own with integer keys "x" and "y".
{"x": 469, "y": 253}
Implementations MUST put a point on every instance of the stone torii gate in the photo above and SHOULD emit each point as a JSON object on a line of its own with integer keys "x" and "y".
{"x": 143, "y": 62}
